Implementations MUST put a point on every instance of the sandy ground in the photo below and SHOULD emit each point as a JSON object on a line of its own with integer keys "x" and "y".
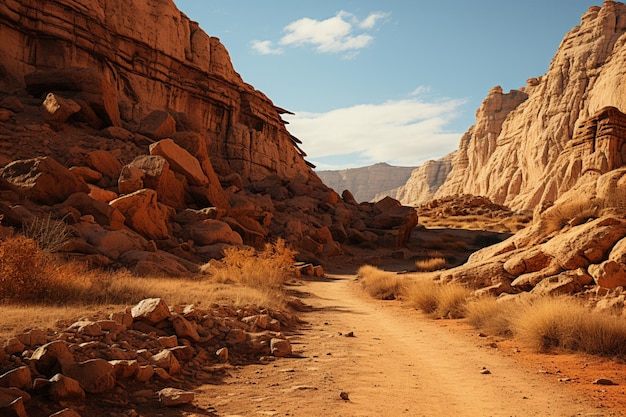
{"x": 392, "y": 361}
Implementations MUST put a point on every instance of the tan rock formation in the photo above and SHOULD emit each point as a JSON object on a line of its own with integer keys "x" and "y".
{"x": 371, "y": 183}
{"x": 424, "y": 182}
{"x": 527, "y": 146}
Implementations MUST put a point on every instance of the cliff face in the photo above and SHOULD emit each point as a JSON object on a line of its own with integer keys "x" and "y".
{"x": 146, "y": 56}
{"x": 371, "y": 183}
{"x": 527, "y": 147}
{"x": 425, "y": 181}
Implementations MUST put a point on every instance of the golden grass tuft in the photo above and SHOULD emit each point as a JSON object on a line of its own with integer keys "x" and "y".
{"x": 245, "y": 266}
{"x": 431, "y": 264}
{"x": 491, "y": 315}
{"x": 437, "y": 299}
{"x": 380, "y": 284}
{"x": 564, "y": 323}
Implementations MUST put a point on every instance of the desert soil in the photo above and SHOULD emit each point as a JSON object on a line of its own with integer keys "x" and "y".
{"x": 391, "y": 360}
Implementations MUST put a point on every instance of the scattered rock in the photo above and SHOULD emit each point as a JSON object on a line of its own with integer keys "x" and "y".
{"x": 172, "y": 397}
{"x": 604, "y": 381}
{"x": 344, "y": 395}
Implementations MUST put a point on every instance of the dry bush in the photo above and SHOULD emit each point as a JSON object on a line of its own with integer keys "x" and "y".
{"x": 491, "y": 315}
{"x": 51, "y": 235}
{"x": 431, "y": 264}
{"x": 269, "y": 268}
{"x": 436, "y": 299}
{"x": 24, "y": 270}
{"x": 560, "y": 322}
{"x": 572, "y": 212}
{"x": 380, "y": 284}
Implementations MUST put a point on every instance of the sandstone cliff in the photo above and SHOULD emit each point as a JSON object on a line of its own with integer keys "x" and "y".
{"x": 425, "y": 181}
{"x": 371, "y": 183}
{"x": 126, "y": 121}
{"x": 528, "y": 147}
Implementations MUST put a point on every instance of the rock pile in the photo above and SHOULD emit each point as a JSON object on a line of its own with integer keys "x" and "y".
{"x": 153, "y": 172}
{"x": 135, "y": 357}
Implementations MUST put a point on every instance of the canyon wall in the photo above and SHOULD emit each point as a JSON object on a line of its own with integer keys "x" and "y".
{"x": 531, "y": 145}
{"x": 147, "y": 55}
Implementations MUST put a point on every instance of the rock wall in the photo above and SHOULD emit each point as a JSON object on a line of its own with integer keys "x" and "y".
{"x": 371, "y": 183}
{"x": 425, "y": 181}
{"x": 523, "y": 152}
{"x": 147, "y": 55}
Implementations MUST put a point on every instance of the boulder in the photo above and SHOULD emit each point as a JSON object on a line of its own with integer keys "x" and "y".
{"x": 158, "y": 124}
{"x": 184, "y": 329}
{"x": 157, "y": 264}
{"x": 208, "y": 232}
{"x": 151, "y": 310}
{"x": 12, "y": 402}
{"x": 56, "y": 109}
{"x": 105, "y": 163}
{"x": 143, "y": 214}
{"x": 94, "y": 376}
{"x": 166, "y": 360}
{"x": 103, "y": 213}
{"x": 130, "y": 180}
{"x": 173, "y": 397}
{"x": 280, "y": 347}
{"x": 180, "y": 161}
{"x": 43, "y": 180}
{"x": 609, "y": 274}
{"x": 111, "y": 243}
{"x": 18, "y": 378}
{"x": 52, "y": 358}
{"x": 159, "y": 177}
{"x": 64, "y": 389}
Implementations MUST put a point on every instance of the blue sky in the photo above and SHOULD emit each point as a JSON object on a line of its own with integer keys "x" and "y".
{"x": 393, "y": 81}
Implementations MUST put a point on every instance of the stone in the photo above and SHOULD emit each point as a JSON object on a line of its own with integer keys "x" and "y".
{"x": 158, "y": 124}
{"x": 104, "y": 162}
{"x": 17, "y": 378}
{"x": 280, "y": 347}
{"x": 180, "y": 161}
{"x": 66, "y": 412}
{"x": 609, "y": 274}
{"x": 104, "y": 214}
{"x": 64, "y": 389}
{"x": 43, "y": 180}
{"x": 32, "y": 338}
{"x": 124, "y": 368}
{"x": 13, "y": 345}
{"x": 90, "y": 176}
{"x": 173, "y": 397}
{"x": 151, "y": 310}
{"x": 56, "y": 109}
{"x": 184, "y": 329}
{"x": 12, "y": 402}
{"x": 94, "y": 376}
{"x": 222, "y": 354}
{"x": 144, "y": 373}
{"x": 52, "y": 357}
{"x": 209, "y": 232}
{"x": 143, "y": 214}
{"x": 130, "y": 180}
{"x": 158, "y": 176}
{"x": 166, "y": 360}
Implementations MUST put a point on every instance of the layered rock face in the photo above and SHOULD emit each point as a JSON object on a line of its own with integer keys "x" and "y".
{"x": 424, "y": 182}
{"x": 129, "y": 124}
{"x": 371, "y": 183}
{"x": 526, "y": 147}
{"x": 130, "y": 67}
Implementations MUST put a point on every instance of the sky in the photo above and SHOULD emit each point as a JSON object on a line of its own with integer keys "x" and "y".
{"x": 395, "y": 81}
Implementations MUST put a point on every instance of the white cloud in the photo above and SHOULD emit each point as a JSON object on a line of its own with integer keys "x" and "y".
{"x": 404, "y": 132}
{"x": 341, "y": 33}
{"x": 266, "y": 48}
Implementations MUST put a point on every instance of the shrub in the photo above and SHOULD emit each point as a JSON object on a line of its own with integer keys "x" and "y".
{"x": 24, "y": 272}
{"x": 266, "y": 269}
{"x": 381, "y": 284}
{"x": 50, "y": 235}
{"x": 560, "y": 322}
{"x": 573, "y": 212}
{"x": 431, "y": 264}
{"x": 436, "y": 299}
{"x": 491, "y": 315}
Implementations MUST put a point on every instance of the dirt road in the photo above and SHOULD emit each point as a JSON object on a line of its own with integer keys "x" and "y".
{"x": 391, "y": 361}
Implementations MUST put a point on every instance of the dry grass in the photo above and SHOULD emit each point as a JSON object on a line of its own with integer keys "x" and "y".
{"x": 491, "y": 315}
{"x": 431, "y": 264}
{"x": 245, "y": 266}
{"x": 380, "y": 284}
{"x": 437, "y": 299}
{"x": 561, "y": 322}
{"x": 50, "y": 235}
{"x": 572, "y": 212}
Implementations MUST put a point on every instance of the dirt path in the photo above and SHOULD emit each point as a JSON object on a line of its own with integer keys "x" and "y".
{"x": 397, "y": 364}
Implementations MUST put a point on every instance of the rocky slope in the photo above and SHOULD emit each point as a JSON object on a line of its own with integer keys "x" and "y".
{"x": 424, "y": 182}
{"x": 529, "y": 146}
{"x": 371, "y": 183}
{"x": 142, "y": 138}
